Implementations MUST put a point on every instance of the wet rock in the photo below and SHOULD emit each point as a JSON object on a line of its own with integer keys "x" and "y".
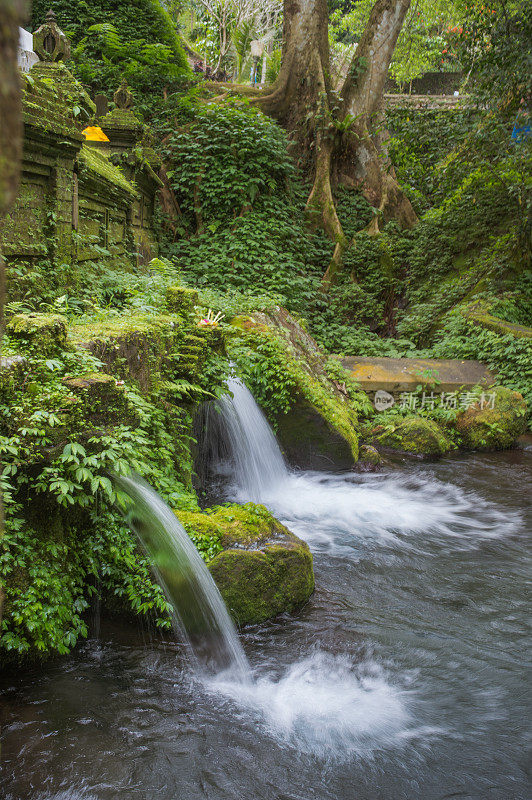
{"x": 262, "y": 569}
{"x": 309, "y": 441}
{"x": 370, "y": 457}
{"x": 497, "y": 428}
{"x": 395, "y": 375}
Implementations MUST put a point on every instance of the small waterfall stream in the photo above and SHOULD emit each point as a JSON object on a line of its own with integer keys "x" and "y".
{"x": 250, "y": 453}
{"x": 199, "y": 611}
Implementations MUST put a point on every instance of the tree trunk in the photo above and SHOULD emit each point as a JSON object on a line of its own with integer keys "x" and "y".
{"x": 304, "y": 73}
{"x": 339, "y": 140}
{"x": 10, "y": 141}
{"x": 362, "y": 99}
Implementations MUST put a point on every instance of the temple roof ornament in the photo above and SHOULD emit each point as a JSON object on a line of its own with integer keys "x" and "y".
{"x": 49, "y": 41}
{"x": 123, "y": 97}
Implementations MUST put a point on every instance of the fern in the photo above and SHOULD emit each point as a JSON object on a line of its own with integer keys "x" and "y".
{"x": 110, "y": 38}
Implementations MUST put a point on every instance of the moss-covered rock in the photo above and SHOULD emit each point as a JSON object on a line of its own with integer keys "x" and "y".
{"x": 46, "y": 332}
{"x": 480, "y": 315}
{"x": 370, "y": 456}
{"x": 181, "y": 299}
{"x": 260, "y": 568}
{"x": 415, "y": 435}
{"x": 103, "y": 400}
{"x": 142, "y": 346}
{"x": 493, "y": 428}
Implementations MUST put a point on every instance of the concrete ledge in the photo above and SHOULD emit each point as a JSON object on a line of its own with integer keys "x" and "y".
{"x": 404, "y": 374}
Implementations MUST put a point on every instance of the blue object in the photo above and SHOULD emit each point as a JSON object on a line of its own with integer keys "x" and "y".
{"x": 521, "y": 133}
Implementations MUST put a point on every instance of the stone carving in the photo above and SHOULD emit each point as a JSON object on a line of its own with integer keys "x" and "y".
{"x": 102, "y": 106}
{"x": 49, "y": 41}
{"x": 123, "y": 97}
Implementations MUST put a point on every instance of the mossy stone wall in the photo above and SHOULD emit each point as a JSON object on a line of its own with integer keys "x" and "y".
{"x": 73, "y": 199}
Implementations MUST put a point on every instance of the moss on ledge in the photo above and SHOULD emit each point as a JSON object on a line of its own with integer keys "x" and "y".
{"x": 97, "y": 162}
{"x": 46, "y": 332}
{"x": 480, "y": 316}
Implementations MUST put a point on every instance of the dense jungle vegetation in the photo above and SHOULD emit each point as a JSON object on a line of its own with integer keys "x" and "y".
{"x": 234, "y": 227}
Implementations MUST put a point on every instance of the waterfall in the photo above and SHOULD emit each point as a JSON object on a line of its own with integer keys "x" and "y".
{"x": 199, "y": 613}
{"x": 250, "y": 453}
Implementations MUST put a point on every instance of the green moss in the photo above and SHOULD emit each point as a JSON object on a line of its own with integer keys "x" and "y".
{"x": 122, "y": 119}
{"x": 47, "y": 332}
{"x": 260, "y": 567}
{"x": 48, "y": 109}
{"x": 181, "y": 299}
{"x": 370, "y": 455}
{"x": 97, "y": 162}
{"x": 415, "y": 435}
{"x": 119, "y": 325}
{"x": 145, "y": 348}
{"x": 494, "y": 428}
{"x": 257, "y": 585}
{"x": 64, "y": 85}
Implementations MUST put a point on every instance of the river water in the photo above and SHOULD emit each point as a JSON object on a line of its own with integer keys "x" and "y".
{"x": 403, "y": 677}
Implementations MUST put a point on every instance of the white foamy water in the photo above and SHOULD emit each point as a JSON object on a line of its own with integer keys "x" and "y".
{"x": 327, "y": 706}
{"x": 335, "y": 511}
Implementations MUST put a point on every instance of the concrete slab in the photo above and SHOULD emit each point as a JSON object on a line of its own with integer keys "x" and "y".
{"x": 404, "y": 374}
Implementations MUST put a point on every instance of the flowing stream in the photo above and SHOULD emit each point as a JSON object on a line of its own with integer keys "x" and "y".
{"x": 402, "y": 678}
{"x": 199, "y": 615}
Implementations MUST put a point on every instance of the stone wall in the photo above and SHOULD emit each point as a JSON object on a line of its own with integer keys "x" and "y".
{"x": 75, "y": 196}
{"x": 439, "y": 83}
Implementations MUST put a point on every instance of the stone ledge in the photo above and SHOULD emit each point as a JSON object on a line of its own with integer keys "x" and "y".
{"x": 404, "y": 374}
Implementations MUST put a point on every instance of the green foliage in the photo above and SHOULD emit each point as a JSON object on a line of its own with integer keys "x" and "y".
{"x": 65, "y": 537}
{"x": 423, "y": 41}
{"x": 230, "y": 158}
{"x": 494, "y": 42}
{"x": 273, "y": 65}
{"x": 508, "y": 356}
{"x": 420, "y": 139}
{"x": 111, "y": 40}
{"x": 263, "y": 368}
{"x": 516, "y": 306}
{"x": 242, "y": 211}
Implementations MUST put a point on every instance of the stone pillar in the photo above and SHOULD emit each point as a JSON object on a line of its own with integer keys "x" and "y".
{"x": 53, "y": 48}
{"x": 63, "y": 202}
{"x": 10, "y": 141}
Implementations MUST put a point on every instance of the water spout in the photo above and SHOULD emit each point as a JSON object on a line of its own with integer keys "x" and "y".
{"x": 250, "y": 453}
{"x": 199, "y": 613}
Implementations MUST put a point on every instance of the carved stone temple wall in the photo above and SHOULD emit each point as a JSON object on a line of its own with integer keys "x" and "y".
{"x": 79, "y": 200}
